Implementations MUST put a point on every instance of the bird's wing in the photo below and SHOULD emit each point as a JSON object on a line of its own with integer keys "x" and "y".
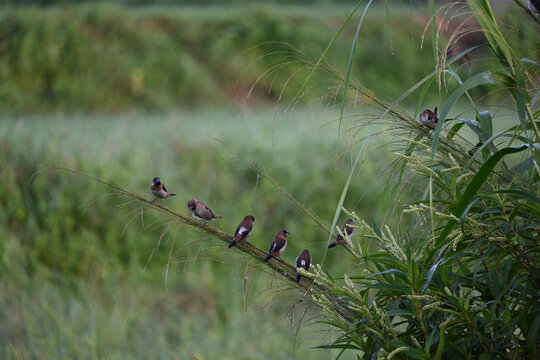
{"x": 204, "y": 211}
{"x": 348, "y": 229}
{"x": 242, "y": 231}
{"x": 277, "y": 244}
{"x": 237, "y": 230}
{"x": 208, "y": 210}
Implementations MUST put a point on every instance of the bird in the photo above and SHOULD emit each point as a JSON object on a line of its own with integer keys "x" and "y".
{"x": 429, "y": 118}
{"x": 159, "y": 191}
{"x": 201, "y": 211}
{"x": 303, "y": 261}
{"x": 346, "y": 229}
{"x": 278, "y": 245}
{"x": 243, "y": 231}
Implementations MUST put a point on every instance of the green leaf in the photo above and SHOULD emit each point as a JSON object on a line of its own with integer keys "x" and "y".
{"x": 454, "y": 130}
{"x": 328, "y": 47}
{"x": 430, "y": 340}
{"x": 344, "y": 193}
{"x": 522, "y": 193}
{"x": 482, "y": 78}
{"x": 474, "y": 186}
{"x": 376, "y": 229}
{"x": 423, "y": 93}
{"x": 349, "y": 66}
{"x": 532, "y": 337}
{"x": 440, "y": 347}
{"x": 486, "y": 124}
{"x": 338, "y": 346}
{"x": 432, "y": 270}
{"x": 486, "y": 19}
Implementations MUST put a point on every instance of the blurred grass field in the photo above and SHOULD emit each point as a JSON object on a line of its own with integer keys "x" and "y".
{"x": 82, "y": 276}
{"x": 128, "y": 93}
{"x": 112, "y": 58}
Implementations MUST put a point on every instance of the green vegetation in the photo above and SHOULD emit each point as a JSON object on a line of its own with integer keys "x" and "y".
{"x": 462, "y": 279}
{"x": 112, "y": 58}
{"x": 444, "y": 260}
{"x": 75, "y": 266}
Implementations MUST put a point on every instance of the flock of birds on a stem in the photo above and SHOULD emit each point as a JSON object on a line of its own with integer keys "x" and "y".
{"x": 203, "y": 212}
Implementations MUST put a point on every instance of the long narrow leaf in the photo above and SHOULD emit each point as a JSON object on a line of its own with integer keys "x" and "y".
{"x": 344, "y": 192}
{"x": 474, "y": 186}
{"x": 328, "y": 47}
{"x": 349, "y": 66}
{"x": 482, "y": 78}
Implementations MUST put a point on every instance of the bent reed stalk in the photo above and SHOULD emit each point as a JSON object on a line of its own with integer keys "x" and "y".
{"x": 284, "y": 269}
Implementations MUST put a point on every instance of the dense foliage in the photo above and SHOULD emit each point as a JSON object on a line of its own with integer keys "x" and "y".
{"x": 109, "y": 57}
{"x": 113, "y": 58}
{"x": 81, "y": 270}
{"x": 462, "y": 280}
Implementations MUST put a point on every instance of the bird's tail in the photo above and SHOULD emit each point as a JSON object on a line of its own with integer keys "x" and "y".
{"x": 332, "y": 245}
{"x": 172, "y": 194}
{"x": 267, "y": 258}
{"x": 217, "y": 216}
{"x": 232, "y": 244}
{"x": 298, "y": 276}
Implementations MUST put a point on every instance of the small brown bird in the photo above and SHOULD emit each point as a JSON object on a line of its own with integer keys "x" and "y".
{"x": 346, "y": 229}
{"x": 278, "y": 245}
{"x": 429, "y": 118}
{"x": 201, "y": 211}
{"x": 159, "y": 191}
{"x": 303, "y": 261}
{"x": 243, "y": 230}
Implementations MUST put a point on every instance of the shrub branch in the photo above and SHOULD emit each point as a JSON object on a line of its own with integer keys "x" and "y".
{"x": 281, "y": 267}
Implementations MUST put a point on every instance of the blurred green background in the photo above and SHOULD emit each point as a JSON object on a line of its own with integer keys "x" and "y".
{"x": 126, "y": 92}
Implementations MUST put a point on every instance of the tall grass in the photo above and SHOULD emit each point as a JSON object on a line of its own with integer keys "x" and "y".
{"x": 113, "y": 58}
{"x": 461, "y": 280}
{"x": 451, "y": 273}
{"x": 83, "y": 274}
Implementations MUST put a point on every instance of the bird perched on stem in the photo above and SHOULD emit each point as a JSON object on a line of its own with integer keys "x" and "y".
{"x": 244, "y": 229}
{"x": 201, "y": 211}
{"x": 429, "y": 118}
{"x": 278, "y": 245}
{"x": 159, "y": 191}
{"x": 346, "y": 229}
{"x": 303, "y": 261}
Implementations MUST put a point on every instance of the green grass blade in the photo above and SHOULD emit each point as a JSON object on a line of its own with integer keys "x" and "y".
{"x": 532, "y": 338}
{"x": 433, "y": 29}
{"x": 344, "y": 193}
{"x": 389, "y": 24}
{"x": 524, "y": 194}
{"x": 423, "y": 93}
{"x": 349, "y": 66}
{"x": 482, "y": 78}
{"x": 474, "y": 186}
{"x": 485, "y": 17}
{"x": 425, "y": 79}
{"x": 316, "y": 66}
